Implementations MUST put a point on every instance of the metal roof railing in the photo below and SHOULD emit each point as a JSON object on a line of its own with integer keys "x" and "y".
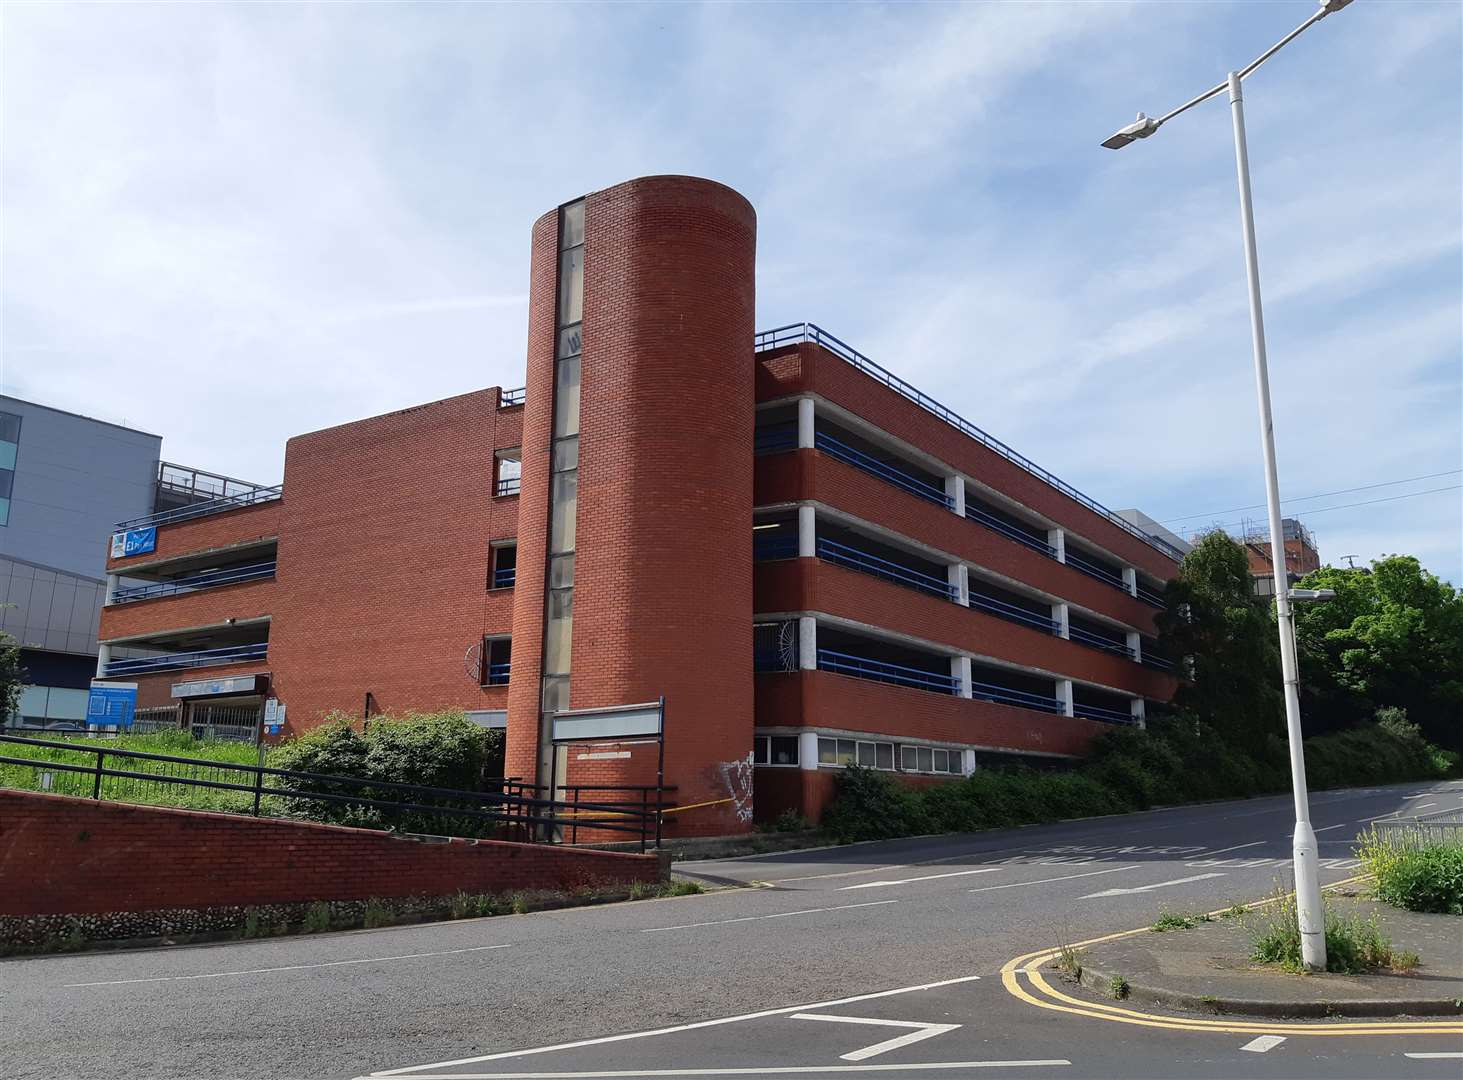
{"x": 203, "y": 509}
{"x": 794, "y": 333}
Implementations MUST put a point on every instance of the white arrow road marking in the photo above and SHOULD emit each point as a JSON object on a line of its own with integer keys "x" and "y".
{"x": 1148, "y": 888}
{"x": 1263, "y": 1043}
{"x": 926, "y": 877}
{"x": 919, "y": 1034}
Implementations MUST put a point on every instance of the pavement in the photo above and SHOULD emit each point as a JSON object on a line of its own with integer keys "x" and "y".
{"x": 910, "y": 957}
{"x": 1206, "y": 968}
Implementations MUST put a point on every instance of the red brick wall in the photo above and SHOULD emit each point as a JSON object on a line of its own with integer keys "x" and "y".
{"x": 662, "y": 597}
{"x": 61, "y": 855}
{"x": 823, "y": 699}
{"x": 208, "y": 607}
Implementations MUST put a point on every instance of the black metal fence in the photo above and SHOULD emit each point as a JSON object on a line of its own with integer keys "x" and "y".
{"x": 515, "y": 811}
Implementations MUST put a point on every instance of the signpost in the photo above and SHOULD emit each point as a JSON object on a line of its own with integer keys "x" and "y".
{"x": 111, "y": 704}
{"x": 134, "y": 542}
{"x": 617, "y": 723}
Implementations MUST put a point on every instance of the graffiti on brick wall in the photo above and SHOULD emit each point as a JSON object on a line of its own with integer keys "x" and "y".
{"x": 737, "y": 776}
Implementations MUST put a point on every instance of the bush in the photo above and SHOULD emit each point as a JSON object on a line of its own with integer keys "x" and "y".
{"x": 1427, "y": 877}
{"x": 1354, "y": 946}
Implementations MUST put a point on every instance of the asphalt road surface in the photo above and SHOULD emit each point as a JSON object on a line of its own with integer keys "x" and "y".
{"x": 879, "y": 959}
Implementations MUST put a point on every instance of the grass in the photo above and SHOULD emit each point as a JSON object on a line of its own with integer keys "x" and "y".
{"x": 1172, "y": 920}
{"x": 1354, "y": 946}
{"x": 1413, "y": 873}
{"x": 1118, "y": 987}
{"x": 1069, "y": 960}
{"x": 1234, "y": 911}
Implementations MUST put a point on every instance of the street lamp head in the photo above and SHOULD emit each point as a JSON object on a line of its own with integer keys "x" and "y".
{"x": 1315, "y": 595}
{"x": 1140, "y": 128}
{"x": 1330, "y": 7}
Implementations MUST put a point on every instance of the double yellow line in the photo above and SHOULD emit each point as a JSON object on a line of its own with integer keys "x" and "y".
{"x": 1045, "y": 996}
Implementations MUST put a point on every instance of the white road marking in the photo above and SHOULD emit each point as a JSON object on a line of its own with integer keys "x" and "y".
{"x": 688, "y": 1027}
{"x": 1328, "y": 828}
{"x": 1148, "y": 888}
{"x": 1263, "y": 1043}
{"x": 778, "y": 915}
{"x": 1236, "y": 847}
{"x": 926, "y": 877}
{"x": 919, "y": 1032}
{"x": 775, "y": 1070}
{"x": 1047, "y": 881}
{"x": 1449, "y": 1055}
{"x": 287, "y": 967}
{"x": 1424, "y": 806}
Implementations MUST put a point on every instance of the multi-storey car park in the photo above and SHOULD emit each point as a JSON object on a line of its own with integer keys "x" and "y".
{"x": 813, "y": 562}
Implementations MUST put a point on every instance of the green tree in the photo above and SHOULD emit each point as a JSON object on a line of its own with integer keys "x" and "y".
{"x": 1393, "y": 636}
{"x": 1213, "y": 617}
{"x": 12, "y": 675}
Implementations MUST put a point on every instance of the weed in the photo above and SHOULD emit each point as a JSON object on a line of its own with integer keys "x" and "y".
{"x": 377, "y": 914}
{"x": 1405, "y": 961}
{"x": 1414, "y": 874}
{"x": 639, "y": 890}
{"x": 1234, "y": 911}
{"x": 1069, "y": 960}
{"x": 1118, "y": 987}
{"x": 317, "y": 917}
{"x": 1170, "y": 920}
{"x": 518, "y": 903}
{"x": 682, "y": 888}
{"x": 462, "y": 905}
{"x": 251, "y": 923}
{"x": 1354, "y": 946}
{"x": 1209, "y": 1000}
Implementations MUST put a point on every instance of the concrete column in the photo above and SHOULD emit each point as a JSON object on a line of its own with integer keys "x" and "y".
{"x": 960, "y": 669}
{"x": 958, "y": 575}
{"x": 805, "y": 423}
{"x": 1130, "y": 579}
{"x": 808, "y": 643}
{"x": 967, "y": 761}
{"x": 104, "y": 652}
{"x": 807, "y": 530}
{"x": 808, "y": 751}
{"x": 1135, "y": 645}
{"x": 1138, "y": 714}
{"x": 1064, "y": 694}
{"x": 1061, "y": 616}
{"x": 955, "y": 488}
{"x": 1058, "y": 540}
{"x": 112, "y": 580}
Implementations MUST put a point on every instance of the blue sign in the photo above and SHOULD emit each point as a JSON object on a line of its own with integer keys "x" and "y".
{"x": 111, "y": 704}
{"x": 134, "y": 542}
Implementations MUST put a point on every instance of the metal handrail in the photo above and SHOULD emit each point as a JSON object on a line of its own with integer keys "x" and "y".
{"x": 498, "y": 674}
{"x": 1150, "y": 596}
{"x": 774, "y": 439}
{"x": 507, "y": 486}
{"x": 207, "y": 580}
{"x": 1093, "y": 570}
{"x": 1004, "y": 695}
{"x": 883, "y": 568}
{"x": 1097, "y": 712}
{"x": 882, "y": 469}
{"x": 1097, "y": 641}
{"x": 1009, "y": 531}
{"x": 1013, "y": 613}
{"x": 794, "y": 333}
{"x": 505, "y": 578}
{"x": 882, "y": 671}
{"x": 232, "y": 654}
{"x": 203, "y": 509}
{"x": 516, "y": 396}
{"x": 766, "y": 548}
{"x": 1157, "y": 663}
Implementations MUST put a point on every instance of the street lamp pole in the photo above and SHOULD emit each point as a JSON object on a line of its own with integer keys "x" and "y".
{"x": 1309, "y": 911}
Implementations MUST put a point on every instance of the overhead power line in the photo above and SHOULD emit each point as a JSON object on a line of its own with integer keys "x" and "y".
{"x": 1348, "y": 506}
{"x": 1322, "y": 495}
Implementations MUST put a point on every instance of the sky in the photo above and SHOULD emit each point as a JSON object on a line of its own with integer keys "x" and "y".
{"x": 229, "y": 224}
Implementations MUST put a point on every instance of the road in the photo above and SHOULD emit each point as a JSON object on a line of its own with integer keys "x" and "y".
{"x": 882, "y": 958}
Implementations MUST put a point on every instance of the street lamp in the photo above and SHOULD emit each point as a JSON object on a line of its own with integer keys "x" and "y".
{"x": 1310, "y": 913}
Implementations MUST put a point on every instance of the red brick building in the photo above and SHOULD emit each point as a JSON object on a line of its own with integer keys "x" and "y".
{"x": 811, "y": 560}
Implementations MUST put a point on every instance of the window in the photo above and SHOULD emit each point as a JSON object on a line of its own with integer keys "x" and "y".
{"x": 775, "y": 750}
{"x": 9, "y": 446}
{"x": 871, "y": 755}
{"x": 503, "y": 566}
{"x": 931, "y": 759}
{"x": 509, "y": 468}
{"x": 497, "y": 660}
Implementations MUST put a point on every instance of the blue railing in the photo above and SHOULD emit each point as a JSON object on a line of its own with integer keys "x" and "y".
{"x": 498, "y": 674}
{"x": 208, "y": 580}
{"x": 775, "y": 546}
{"x": 774, "y": 439}
{"x": 1157, "y": 663}
{"x": 1150, "y": 596}
{"x": 203, "y": 509}
{"x": 1093, "y": 570}
{"x": 890, "y": 571}
{"x": 1097, "y": 641}
{"x": 883, "y": 470}
{"x": 1097, "y": 712}
{"x": 862, "y": 667}
{"x": 233, "y": 654}
{"x": 504, "y": 578}
{"x": 794, "y": 333}
{"x": 1009, "y": 531}
{"x": 508, "y": 486}
{"x": 1004, "y": 695}
{"x": 1013, "y": 613}
{"x": 512, "y": 397}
